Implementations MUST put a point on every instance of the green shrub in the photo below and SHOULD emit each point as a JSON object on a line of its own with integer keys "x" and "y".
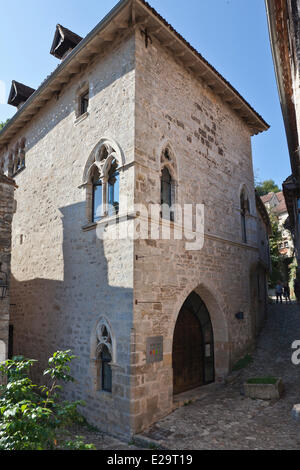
{"x": 242, "y": 363}
{"x": 262, "y": 380}
{"x": 34, "y": 417}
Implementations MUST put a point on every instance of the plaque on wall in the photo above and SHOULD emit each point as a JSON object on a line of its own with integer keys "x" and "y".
{"x": 154, "y": 352}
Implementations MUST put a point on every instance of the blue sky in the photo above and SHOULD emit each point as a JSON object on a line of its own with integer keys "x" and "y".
{"x": 231, "y": 34}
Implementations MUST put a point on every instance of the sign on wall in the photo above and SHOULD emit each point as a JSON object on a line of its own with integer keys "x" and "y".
{"x": 2, "y": 351}
{"x": 154, "y": 352}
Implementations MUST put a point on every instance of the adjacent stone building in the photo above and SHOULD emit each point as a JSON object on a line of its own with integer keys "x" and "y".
{"x": 7, "y": 188}
{"x": 133, "y": 118}
{"x": 284, "y": 27}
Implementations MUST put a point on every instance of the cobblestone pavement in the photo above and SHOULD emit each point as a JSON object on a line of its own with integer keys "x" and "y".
{"x": 101, "y": 440}
{"x": 225, "y": 419}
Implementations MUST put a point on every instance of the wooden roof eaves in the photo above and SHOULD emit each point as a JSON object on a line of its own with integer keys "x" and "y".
{"x": 277, "y": 23}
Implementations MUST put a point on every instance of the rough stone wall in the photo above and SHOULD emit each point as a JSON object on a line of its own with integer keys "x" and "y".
{"x": 7, "y": 187}
{"x": 64, "y": 279}
{"x": 212, "y": 149}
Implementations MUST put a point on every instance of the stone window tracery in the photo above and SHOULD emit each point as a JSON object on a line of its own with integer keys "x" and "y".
{"x": 16, "y": 159}
{"x": 102, "y": 182}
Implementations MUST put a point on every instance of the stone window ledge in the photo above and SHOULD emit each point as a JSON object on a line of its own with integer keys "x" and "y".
{"x": 81, "y": 118}
{"x": 18, "y": 171}
{"x": 110, "y": 220}
{"x": 104, "y": 395}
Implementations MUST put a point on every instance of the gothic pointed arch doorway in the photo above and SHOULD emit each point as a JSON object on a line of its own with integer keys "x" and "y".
{"x": 193, "y": 346}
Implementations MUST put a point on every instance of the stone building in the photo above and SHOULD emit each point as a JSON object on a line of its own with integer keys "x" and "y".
{"x": 284, "y": 27}
{"x": 7, "y": 187}
{"x": 131, "y": 118}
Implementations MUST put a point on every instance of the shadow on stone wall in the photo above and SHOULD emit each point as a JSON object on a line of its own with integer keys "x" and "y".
{"x": 49, "y": 315}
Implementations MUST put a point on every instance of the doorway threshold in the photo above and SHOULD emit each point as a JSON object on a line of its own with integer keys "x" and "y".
{"x": 196, "y": 394}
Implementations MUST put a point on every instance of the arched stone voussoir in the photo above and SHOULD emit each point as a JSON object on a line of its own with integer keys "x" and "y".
{"x": 111, "y": 147}
{"x": 209, "y": 296}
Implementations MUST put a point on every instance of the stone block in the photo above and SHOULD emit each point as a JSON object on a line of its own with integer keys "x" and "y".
{"x": 264, "y": 391}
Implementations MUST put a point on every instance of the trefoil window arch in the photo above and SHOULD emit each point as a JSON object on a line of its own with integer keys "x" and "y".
{"x": 103, "y": 181}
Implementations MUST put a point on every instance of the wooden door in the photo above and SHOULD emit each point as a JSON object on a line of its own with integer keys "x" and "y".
{"x": 188, "y": 353}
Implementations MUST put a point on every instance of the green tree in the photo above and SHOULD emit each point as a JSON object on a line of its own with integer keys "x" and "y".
{"x": 267, "y": 186}
{"x": 2, "y": 124}
{"x": 276, "y": 260}
{"x": 35, "y": 417}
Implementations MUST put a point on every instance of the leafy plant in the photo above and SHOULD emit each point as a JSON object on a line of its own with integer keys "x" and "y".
{"x": 78, "y": 444}
{"x": 3, "y": 124}
{"x": 276, "y": 258}
{"x": 242, "y": 363}
{"x": 267, "y": 186}
{"x": 262, "y": 380}
{"x": 34, "y": 417}
{"x": 153, "y": 446}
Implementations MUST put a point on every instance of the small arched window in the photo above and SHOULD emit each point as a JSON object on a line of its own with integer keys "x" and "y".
{"x": 104, "y": 357}
{"x": 167, "y": 195}
{"x": 106, "y": 376}
{"x": 244, "y": 208}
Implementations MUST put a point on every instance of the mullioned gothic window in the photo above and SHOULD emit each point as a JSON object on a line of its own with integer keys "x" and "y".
{"x": 102, "y": 182}
{"x": 16, "y": 159}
